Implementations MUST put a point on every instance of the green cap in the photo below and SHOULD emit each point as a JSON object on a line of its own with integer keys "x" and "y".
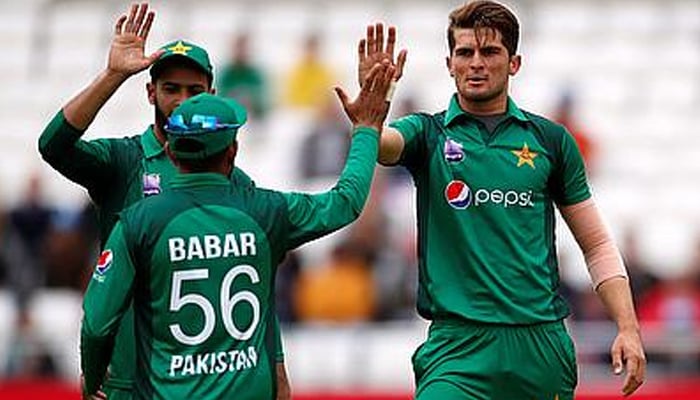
{"x": 184, "y": 52}
{"x": 203, "y": 125}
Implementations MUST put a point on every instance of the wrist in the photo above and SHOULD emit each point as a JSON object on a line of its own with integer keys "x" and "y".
{"x": 114, "y": 77}
{"x": 629, "y": 327}
{"x": 365, "y": 128}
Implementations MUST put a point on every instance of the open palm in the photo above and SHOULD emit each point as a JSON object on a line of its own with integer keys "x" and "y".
{"x": 372, "y": 50}
{"x": 127, "y": 53}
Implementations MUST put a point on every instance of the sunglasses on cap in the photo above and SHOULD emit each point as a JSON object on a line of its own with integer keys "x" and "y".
{"x": 199, "y": 124}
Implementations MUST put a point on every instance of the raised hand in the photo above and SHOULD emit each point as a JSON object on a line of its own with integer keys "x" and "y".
{"x": 372, "y": 50}
{"x": 371, "y": 106}
{"x": 127, "y": 54}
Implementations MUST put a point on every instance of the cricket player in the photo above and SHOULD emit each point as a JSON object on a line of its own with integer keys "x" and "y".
{"x": 489, "y": 176}
{"x": 199, "y": 260}
{"x": 120, "y": 172}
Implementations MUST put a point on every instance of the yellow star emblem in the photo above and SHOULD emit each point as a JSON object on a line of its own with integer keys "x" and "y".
{"x": 525, "y": 156}
{"x": 180, "y": 48}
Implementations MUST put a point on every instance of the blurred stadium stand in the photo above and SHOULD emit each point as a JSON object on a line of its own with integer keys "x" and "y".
{"x": 635, "y": 70}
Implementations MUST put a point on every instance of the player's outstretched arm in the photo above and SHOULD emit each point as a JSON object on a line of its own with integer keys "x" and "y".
{"x": 126, "y": 58}
{"x": 314, "y": 215}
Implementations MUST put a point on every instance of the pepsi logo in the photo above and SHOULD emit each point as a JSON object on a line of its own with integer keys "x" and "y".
{"x": 104, "y": 262}
{"x": 458, "y": 195}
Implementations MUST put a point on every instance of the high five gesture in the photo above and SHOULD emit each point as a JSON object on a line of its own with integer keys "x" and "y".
{"x": 127, "y": 54}
{"x": 372, "y": 50}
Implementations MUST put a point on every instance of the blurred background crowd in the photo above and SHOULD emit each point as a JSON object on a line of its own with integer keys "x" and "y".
{"x": 622, "y": 76}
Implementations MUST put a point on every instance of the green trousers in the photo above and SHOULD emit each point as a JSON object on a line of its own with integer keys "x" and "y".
{"x": 461, "y": 361}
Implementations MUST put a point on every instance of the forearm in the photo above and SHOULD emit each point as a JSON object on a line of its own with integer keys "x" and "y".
{"x": 313, "y": 216}
{"x": 82, "y": 109}
{"x": 95, "y": 353}
{"x": 355, "y": 181}
{"x": 616, "y": 296}
{"x": 599, "y": 250}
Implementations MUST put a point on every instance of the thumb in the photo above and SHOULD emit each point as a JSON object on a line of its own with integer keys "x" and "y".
{"x": 155, "y": 56}
{"x": 342, "y": 96}
{"x": 616, "y": 360}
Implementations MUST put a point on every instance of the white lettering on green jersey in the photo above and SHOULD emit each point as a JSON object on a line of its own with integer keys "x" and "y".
{"x": 212, "y": 246}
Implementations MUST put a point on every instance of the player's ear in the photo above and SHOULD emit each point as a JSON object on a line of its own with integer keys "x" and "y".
{"x": 448, "y": 63}
{"x": 232, "y": 150}
{"x": 514, "y": 64}
{"x": 151, "y": 91}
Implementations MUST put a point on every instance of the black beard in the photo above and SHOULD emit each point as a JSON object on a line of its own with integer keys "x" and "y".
{"x": 161, "y": 118}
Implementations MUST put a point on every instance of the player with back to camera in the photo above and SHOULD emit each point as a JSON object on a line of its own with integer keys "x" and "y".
{"x": 119, "y": 172}
{"x": 199, "y": 260}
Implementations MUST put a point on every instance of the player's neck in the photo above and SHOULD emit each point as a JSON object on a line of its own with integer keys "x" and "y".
{"x": 160, "y": 135}
{"x": 495, "y": 106}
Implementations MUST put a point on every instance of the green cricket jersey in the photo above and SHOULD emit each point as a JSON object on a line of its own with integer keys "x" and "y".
{"x": 485, "y": 206}
{"x": 199, "y": 262}
{"x": 117, "y": 173}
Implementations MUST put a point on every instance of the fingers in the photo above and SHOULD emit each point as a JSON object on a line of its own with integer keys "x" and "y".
{"x": 342, "y": 96}
{"x": 139, "y": 19}
{"x": 135, "y": 22}
{"x": 616, "y": 355}
{"x": 132, "y": 16}
{"x": 371, "y": 78}
{"x": 391, "y": 42}
{"x": 361, "y": 50}
{"x": 389, "y": 84}
{"x": 399, "y": 64}
{"x": 147, "y": 26}
{"x": 370, "y": 40}
{"x": 120, "y": 25}
{"x": 379, "y": 32}
{"x": 635, "y": 376}
{"x": 345, "y": 102}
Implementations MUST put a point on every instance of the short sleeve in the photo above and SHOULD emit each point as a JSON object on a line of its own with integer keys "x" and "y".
{"x": 570, "y": 182}
{"x": 412, "y": 128}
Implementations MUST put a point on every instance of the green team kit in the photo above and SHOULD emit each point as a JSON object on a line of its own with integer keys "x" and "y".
{"x": 199, "y": 261}
{"x": 117, "y": 173}
{"x": 487, "y": 257}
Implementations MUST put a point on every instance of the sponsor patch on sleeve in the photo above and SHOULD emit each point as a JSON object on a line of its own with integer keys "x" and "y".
{"x": 104, "y": 262}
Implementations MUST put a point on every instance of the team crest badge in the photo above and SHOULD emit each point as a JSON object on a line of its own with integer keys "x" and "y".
{"x": 454, "y": 152}
{"x": 151, "y": 184}
{"x": 104, "y": 262}
{"x": 525, "y": 156}
{"x": 458, "y": 195}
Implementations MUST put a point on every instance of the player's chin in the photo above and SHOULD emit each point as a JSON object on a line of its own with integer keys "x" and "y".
{"x": 476, "y": 95}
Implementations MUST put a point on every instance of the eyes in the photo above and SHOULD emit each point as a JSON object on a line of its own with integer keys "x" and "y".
{"x": 487, "y": 51}
{"x": 173, "y": 89}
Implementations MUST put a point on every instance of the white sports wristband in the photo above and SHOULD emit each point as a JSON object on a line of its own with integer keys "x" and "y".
{"x": 390, "y": 91}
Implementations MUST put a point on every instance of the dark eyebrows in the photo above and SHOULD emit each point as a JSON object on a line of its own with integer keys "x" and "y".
{"x": 171, "y": 85}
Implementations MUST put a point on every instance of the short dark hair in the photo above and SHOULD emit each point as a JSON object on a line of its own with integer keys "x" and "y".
{"x": 485, "y": 14}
